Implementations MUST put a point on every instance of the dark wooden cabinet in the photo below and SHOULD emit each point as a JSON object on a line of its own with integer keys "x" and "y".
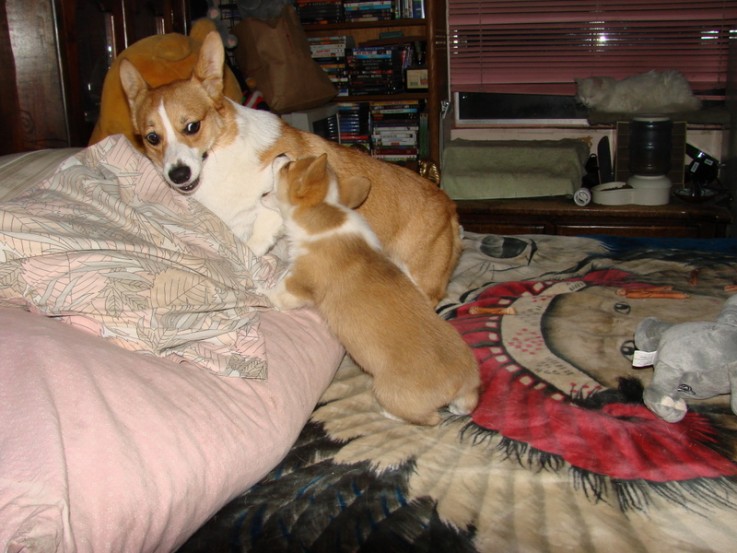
{"x": 55, "y": 56}
{"x": 33, "y": 87}
{"x": 562, "y": 216}
{"x": 92, "y": 33}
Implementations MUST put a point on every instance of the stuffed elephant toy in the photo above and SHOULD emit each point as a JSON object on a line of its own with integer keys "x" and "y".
{"x": 694, "y": 360}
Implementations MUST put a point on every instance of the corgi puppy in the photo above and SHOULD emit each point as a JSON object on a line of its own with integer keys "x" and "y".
{"x": 418, "y": 361}
{"x": 220, "y": 153}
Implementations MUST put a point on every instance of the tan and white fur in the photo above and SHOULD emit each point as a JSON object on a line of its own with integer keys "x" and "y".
{"x": 418, "y": 361}
{"x": 220, "y": 153}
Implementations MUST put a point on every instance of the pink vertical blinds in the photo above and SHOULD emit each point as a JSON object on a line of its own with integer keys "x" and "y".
{"x": 542, "y": 46}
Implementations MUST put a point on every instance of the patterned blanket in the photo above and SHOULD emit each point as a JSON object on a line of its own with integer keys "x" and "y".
{"x": 107, "y": 246}
{"x": 560, "y": 455}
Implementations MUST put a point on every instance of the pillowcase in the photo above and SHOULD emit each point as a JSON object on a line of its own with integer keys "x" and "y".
{"x": 103, "y": 449}
{"x": 105, "y": 242}
{"x": 23, "y": 170}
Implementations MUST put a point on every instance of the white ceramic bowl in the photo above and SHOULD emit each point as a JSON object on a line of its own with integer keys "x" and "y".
{"x": 612, "y": 193}
{"x": 650, "y": 190}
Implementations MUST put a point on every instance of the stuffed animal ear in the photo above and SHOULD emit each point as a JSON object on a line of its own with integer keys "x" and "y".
{"x": 354, "y": 191}
{"x": 649, "y": 332}
{"x": 209, "y": 67}
{"x": 728, "y": 316}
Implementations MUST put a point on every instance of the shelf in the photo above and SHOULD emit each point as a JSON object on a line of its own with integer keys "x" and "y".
{"x": 717, "y": 116}
{"x": 404, "y": 96}
{"x": 353, "y": 25}
{"x": 391, "y": 41}
{"x": 562, "y": 216}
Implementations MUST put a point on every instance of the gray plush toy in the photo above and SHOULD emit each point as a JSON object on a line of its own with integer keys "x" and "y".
{"x": 695, "y": 360}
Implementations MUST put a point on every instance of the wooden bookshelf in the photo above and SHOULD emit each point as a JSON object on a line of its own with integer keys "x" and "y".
{"x": 432, "y": 31}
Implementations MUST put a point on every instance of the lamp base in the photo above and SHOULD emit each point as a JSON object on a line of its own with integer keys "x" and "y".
{"x": 651, "y": 189}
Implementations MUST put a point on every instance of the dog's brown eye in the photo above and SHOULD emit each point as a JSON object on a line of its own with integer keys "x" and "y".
{"x": 192, "y": 128}
{"x": 153, "y": 138}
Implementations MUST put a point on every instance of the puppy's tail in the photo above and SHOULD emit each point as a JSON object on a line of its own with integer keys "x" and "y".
{"x": 465, "y": 402}
{"x": 411, "y": 407}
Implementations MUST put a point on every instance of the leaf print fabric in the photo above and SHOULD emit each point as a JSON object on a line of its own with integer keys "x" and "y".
{"x": 105, "y": 245}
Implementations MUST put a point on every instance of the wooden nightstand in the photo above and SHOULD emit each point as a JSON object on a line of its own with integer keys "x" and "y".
{"x": 561, "y": 216}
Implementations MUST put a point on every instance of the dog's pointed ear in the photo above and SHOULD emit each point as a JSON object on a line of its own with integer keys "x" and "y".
{"x": 313, "y": 186}
{"x": 131, "y": 80}
{"x": 209, "y": 67}
{"x": 134, "y": 85}
{"x": 318, "y": 167}
{"x": 354, "y": 191}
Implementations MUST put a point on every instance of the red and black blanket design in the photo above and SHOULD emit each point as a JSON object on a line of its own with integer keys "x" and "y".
{"x": 561, "y": 453}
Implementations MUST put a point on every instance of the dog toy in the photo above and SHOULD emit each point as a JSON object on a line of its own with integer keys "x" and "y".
{"x": 160, "y": 59}
{"x": 694, "y": 360}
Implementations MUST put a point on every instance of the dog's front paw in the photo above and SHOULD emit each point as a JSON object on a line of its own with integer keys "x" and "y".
{"x": 282, "y": 299}
{"x": 276, "y": 300}
{"x": 267, "y": 228}
{"x": 259, "y": 244}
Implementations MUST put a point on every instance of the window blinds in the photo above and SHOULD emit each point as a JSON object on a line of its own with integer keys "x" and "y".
{"x": 542, "y": 46}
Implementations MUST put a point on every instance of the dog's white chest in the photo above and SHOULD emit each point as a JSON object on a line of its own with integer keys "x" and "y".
{"x": 233, "y": 190}
{"x": 232, "y": 184}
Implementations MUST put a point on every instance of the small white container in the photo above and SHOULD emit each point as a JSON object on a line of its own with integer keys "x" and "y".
{"x": 612, "y": 193}
{"x": 638, "y": 190}
{"x": 650, "y": 190}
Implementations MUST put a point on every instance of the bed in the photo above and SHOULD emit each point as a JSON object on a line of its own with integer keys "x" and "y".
{"x": 151, "y": 401}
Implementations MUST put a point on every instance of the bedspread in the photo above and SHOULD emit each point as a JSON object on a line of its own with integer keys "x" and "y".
{"x": 106, "y": 245}
{"x": 560, "y": 455}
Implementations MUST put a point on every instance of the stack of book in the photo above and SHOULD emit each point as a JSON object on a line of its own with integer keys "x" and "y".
{"x": 368, "y": 10}
{"x": 395, "y": 131}
{"x": 330, "y": 54}
{"x": 336, "y": 11}
{"x": 376, "y": 69}
{"x": 409, "y": 9}
{"x": 353, "y": 120}
{"x": 320, "y": 11}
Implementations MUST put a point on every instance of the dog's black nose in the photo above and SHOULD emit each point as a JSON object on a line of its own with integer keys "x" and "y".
{"x": 180, "y": 174}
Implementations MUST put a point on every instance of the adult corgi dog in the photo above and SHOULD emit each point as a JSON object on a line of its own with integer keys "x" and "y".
{"x": 418, "y": 361}
{"x": 220, "y": 153}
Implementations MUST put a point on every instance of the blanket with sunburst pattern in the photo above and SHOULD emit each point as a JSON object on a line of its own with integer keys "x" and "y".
{"x": 561, "y": 453}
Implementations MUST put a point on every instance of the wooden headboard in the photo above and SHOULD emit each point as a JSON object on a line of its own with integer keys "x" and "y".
{"x": 53, "y": 57}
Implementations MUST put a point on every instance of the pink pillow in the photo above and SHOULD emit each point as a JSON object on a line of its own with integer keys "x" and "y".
{"x": 102, "y": 449}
